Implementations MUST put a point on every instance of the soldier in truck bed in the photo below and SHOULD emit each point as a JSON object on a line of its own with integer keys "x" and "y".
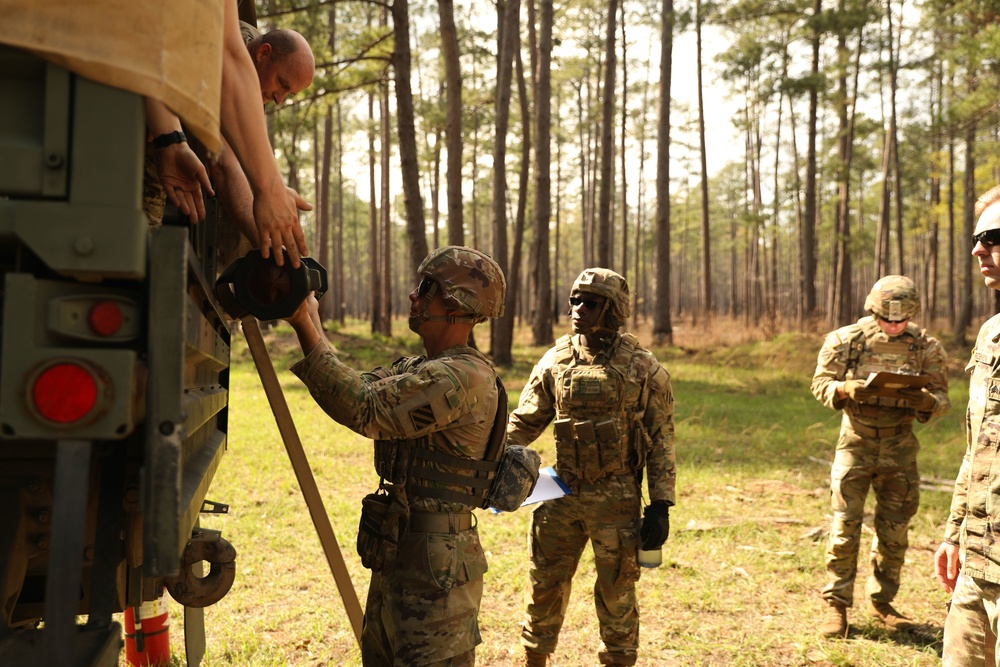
{"x": 275, "y": 220}
{"x": 876, "y": 448}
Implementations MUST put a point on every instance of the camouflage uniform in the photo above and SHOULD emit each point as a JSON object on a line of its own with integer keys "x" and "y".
{"x": 423, "y": 606}
{"x": 876, "y": 449}
{"x": 624, "y": 395}
{"x": 970, "y": 631}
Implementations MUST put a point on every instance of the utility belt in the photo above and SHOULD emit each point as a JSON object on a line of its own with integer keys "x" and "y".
{"x": 440, "y": 522}
{"x": 385, "y": 518}
{"x": 883, "y": 432}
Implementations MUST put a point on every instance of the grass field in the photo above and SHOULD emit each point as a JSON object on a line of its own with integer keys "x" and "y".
{"x": 742, "y": 568}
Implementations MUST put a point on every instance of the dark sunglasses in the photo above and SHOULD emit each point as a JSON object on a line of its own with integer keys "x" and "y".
{"x": 989, "y": 238}
{"x": 589, "y": 304}
{"x": 886, "y": 319}
{"x": 425, "y": 287}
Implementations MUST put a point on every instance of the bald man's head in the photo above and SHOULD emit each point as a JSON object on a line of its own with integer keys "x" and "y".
{"x": 284, "y": 63}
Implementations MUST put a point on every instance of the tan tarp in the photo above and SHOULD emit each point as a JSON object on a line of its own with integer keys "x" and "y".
{"x": 167, "y": 49}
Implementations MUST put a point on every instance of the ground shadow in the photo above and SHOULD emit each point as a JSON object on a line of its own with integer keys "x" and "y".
{"x": 918, "y": 635}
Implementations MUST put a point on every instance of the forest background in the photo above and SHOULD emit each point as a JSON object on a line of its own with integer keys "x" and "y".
{"x": 547, "y": 135}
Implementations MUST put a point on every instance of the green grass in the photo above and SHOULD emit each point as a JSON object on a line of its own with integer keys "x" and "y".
{"x": 742, "y": 569}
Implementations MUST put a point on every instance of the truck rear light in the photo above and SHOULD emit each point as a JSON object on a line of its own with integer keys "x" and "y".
{"x": 105, "y": 318}
{"x": 64, "y": 392}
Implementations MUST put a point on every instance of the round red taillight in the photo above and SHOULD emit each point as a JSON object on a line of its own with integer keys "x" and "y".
{"x": 105, "y": 318}
{"x": 64, "y": 393}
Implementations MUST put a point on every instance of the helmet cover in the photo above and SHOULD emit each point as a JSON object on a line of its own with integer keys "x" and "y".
{"x": 894, "y": 298}
{"x": 606, "y": 283}
{"x": 470, "y": 281}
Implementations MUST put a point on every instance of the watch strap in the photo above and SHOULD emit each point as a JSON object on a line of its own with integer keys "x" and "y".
{"x": 169, "y": 139}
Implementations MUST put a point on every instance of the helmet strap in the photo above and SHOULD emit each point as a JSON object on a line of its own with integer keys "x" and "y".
{"x": 425, "y": 316}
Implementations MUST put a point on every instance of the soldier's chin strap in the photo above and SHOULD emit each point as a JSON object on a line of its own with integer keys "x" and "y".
{"x": 425, "y": 316}
{"x": 602, "y": 328}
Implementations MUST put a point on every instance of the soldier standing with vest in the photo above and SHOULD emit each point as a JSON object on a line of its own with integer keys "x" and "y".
{"x": 613, "y": 409}
{"x": 432, "y": 418}
{"x": 968, "y": 562}
{"x": 876, "y": 448}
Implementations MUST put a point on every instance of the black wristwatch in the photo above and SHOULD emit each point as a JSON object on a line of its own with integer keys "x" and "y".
{"x": 169, "y": 139}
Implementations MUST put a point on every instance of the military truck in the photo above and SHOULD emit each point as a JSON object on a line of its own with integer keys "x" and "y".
{"x": 114, "y": 377}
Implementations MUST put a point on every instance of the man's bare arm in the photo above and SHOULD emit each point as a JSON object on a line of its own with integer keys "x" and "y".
{"x": 275, "y": 207}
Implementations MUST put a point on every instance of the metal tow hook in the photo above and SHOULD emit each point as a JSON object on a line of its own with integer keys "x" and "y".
{"x": 194, "y": 591}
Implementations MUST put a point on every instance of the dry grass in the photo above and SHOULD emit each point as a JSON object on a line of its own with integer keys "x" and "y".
{"x": 742, "y": 569}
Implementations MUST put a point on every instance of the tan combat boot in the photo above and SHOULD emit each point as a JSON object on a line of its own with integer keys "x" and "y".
{"x": 884, "y": 612}
{"x": 533, "y": 659}
{"x": 834, "y": 620}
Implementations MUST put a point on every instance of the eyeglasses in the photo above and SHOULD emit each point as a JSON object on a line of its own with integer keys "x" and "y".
{"x": 888, "y": 321}
{"x": 989, "y": 238}
{"x": 425, "y": 287}
{"x": 589, "y": 304}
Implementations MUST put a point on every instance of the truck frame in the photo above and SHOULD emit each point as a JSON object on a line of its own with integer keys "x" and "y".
{"x": 114, "y": 376}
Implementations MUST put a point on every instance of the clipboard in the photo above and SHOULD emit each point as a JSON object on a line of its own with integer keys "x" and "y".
{"x": 889, "y": 384}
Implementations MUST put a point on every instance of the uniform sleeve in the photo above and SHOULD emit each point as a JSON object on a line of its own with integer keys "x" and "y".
{"x": 408, "y": 400}
{"x": 831, "y": 368}
{"x": 535, "y": 408}
{"x": 960, "y": 497}
{"x": 658, "y": 422}
{"x": 936, "y": 366}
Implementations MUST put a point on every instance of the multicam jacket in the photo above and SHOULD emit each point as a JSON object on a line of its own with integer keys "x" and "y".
{"x": 613, "y": 413}
{"x": 974, "y": 521}
{"x": 854, "y": 351}
{"x": 445, "y": 404}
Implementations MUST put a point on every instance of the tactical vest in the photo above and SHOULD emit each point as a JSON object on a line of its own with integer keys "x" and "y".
{"x": 597, "y": 412}
{"x": 427, "y": 473}
{"x": 904, "y": 354}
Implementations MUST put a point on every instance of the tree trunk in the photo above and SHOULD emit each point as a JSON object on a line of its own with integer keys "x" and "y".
{"x": 542, "y": 325}
{"x": 374, "y": 229}
{"x": 968, "y": 218}
{"x": 453, "y": 122}
{"x": 706, "y": 252}
{"x": 508, "y": 13}
{"x": 809, "y": 215}
{"x": 409, "y": 163}
{"x": 624, "y": 199}
{"x": 324, "y": 218}
{"x": 606, "y": 149}
{"x": 897, "y": 178}
{"x": 663, "y": 331}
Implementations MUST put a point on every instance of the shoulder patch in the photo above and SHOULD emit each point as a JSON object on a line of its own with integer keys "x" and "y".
{"x": 660, "y": 378}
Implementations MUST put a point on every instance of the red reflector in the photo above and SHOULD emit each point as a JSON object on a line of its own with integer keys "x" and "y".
{"x": 105, "y": 318}
{"x": 64, "y": 393}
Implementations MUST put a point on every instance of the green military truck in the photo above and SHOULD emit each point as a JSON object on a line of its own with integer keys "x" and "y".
{"x": 114, "y": 377}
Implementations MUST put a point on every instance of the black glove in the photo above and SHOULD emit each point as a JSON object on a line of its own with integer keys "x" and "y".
{"x": 655, "y": 525}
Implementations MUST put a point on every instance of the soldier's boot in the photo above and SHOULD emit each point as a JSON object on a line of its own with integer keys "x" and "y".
{"x": 885, "y": 612}
{"x": 533, "y": 659}
{"x": 834, "y": 620}
{"x": 608, "y": 658}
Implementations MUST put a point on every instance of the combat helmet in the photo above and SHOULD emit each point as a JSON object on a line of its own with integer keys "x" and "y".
{"x": 469, "y": 280}
{"x": 612, "y": 286}
{"x": 893, "y": 298}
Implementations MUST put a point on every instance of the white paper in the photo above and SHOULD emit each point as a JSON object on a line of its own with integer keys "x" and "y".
{"x": 549, "y": 487}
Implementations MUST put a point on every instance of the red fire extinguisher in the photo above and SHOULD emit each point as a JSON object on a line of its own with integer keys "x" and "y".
{"x": 147, "y": 633}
